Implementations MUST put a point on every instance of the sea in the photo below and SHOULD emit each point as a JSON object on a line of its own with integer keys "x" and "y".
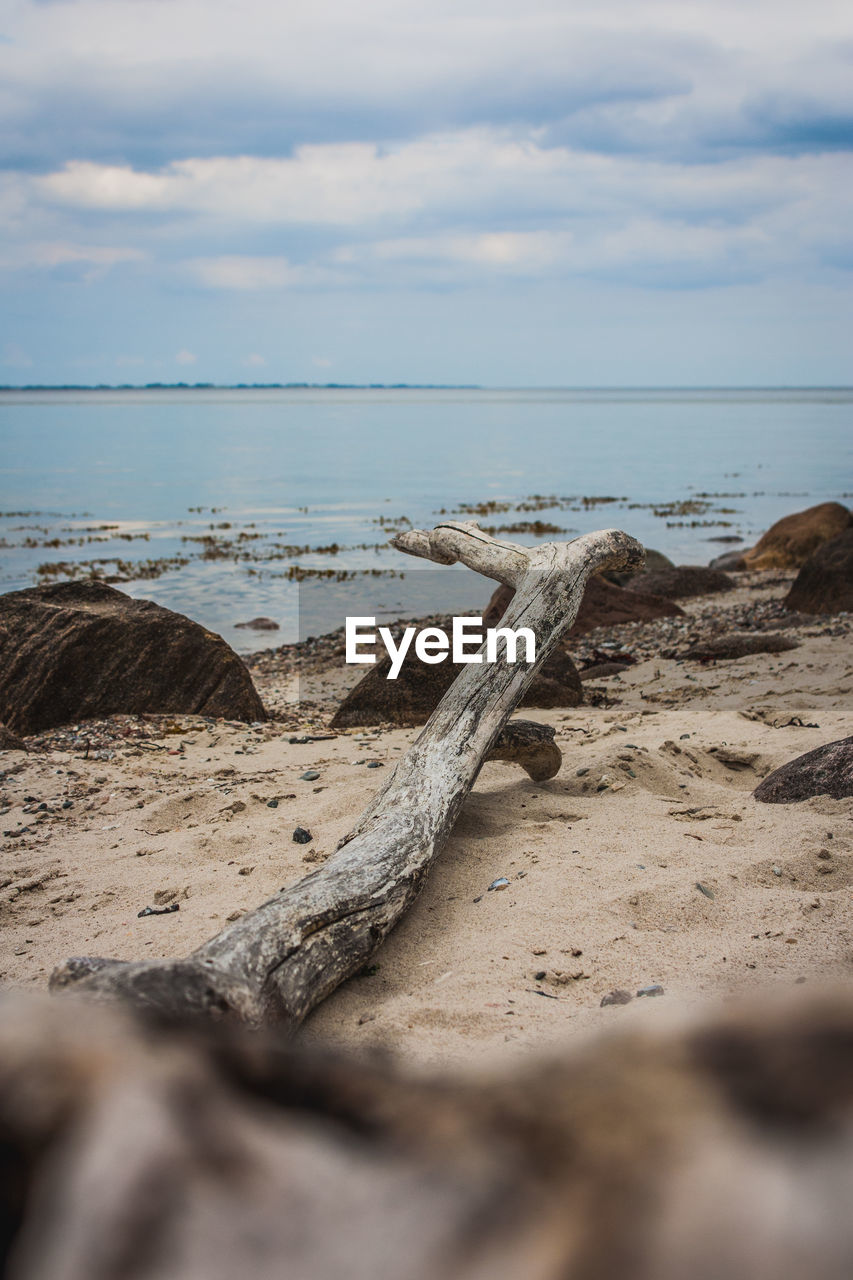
{"x": 229, "y": 504}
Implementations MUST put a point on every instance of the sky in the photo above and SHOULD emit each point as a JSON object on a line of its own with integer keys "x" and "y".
{"x": 585, "y": 193}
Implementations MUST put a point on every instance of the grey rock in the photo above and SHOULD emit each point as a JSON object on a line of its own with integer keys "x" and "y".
{"x": 826, "y": 771}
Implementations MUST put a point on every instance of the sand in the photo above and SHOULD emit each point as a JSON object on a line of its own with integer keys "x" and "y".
{"x": 646, "y": 861}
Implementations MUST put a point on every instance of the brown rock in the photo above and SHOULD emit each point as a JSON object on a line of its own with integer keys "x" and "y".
{"x": 684, "y": 581}
{"x": 601, "y": 670}
{"x": 418, "y": 689}
{"x": 789, "y": 542}
{"x": 655, "y": 560}
{"x": 825, "y": 582}
{"x": 603, "y": 605}
{"x": 826, "y": 771}
{"x": 737, "y": 644}
{"x": 78, "y": 650}
{"x": 257, "y": 624}
{"x": 10, "y": 741}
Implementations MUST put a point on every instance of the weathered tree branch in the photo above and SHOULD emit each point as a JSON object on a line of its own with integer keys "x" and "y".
{"x": 279, "y": 961}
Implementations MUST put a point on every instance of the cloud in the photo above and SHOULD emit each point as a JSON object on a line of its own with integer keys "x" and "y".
{"x": 47, "y": 255}
{"x": 247, "y": 273}
{"x": 185, "y": 357}
{"x": 164, "y": 152}
{"x": 254, "y": 361}
{"x": 141, "y": 82}
{"x": 473, "y": 174}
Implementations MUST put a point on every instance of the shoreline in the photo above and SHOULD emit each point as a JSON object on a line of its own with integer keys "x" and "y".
{"x": 603, "y": 861}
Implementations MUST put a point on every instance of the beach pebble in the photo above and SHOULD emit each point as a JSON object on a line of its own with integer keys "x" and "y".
{"x": 654, "y": 990}
{"x": 301, "y": 836}
{"x": 500, "y": 883}
{"x": 617, "y": 996}
{"x": 310, "y": 776}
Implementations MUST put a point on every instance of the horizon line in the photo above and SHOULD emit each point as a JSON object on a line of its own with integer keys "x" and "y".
{"x": 413, "y": 386}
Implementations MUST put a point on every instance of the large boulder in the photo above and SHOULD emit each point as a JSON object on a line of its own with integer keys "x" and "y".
{"x": 825, "y": 582}
{"x": 603, "y": 605}
{"x": 606, "y": 605}
{"x": 789, "y": 542}
{"x": 420, "y": 686}
{"x": 683, "y": 581}
{"x": 79, "y": 650}
{"x": 826, "y": 771}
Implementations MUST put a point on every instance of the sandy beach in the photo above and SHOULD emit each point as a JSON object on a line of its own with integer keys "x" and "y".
{"x": 645, "y": 862}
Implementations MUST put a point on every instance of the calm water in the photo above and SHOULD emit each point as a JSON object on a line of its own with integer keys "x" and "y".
{"x": 294, "y": 470}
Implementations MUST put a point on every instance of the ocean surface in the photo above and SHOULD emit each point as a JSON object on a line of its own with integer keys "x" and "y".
{"x": 218, "y": 503}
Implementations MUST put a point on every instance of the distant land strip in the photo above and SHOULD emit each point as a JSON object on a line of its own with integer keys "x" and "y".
{"x": 247, "y": 386}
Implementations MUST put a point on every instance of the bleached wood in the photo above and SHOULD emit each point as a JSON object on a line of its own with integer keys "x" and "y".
{"x": 279, "y": 961}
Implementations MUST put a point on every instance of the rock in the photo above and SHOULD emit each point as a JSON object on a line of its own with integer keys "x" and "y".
{"x": 826, "y": 771}
{"x": 684, "y": 581}
{"x": 530, "y": 745}
{"x": 257, "y": 624}
{"x": 729, "y": 562}
{"x": 82, "y": 650}
{"x": 825, "y": 582}
{"x": 655, "y": 560}
{"x": 737, "y": 644}
{"x": 301, "y": 836}
{"x": 606, "y": 605}
{"x": 789, "y": 542}
{"x": 603, "y": 605}
{"x": 497, "y": 606}
{"x": 601, "y": 670}
{"x": 414, "y": 695}
{"x": 617, "y": 996}
{"x": 10, "y": 741}
{"x": 654, "y": 990}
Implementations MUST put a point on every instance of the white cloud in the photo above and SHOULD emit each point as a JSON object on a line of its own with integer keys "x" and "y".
{"x": 100, "y": 186}
{"x": 185, "y": 357}
{"x": 254, "y": 361}
{"x": 470, "y": 174}
{"x": 59, "y": 253}
{"x": 246, "y": 273}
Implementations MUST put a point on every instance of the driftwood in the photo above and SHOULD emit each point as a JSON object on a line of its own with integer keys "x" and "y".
{"x": 279, "y": 961}
{"x": 209, "y": 1153}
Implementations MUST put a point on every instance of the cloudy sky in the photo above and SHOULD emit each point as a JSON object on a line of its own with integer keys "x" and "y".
{"x": 585, "y": 192}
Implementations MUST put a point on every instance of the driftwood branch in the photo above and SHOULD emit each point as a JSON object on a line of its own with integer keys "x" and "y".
{"x": 279, "y": 961}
